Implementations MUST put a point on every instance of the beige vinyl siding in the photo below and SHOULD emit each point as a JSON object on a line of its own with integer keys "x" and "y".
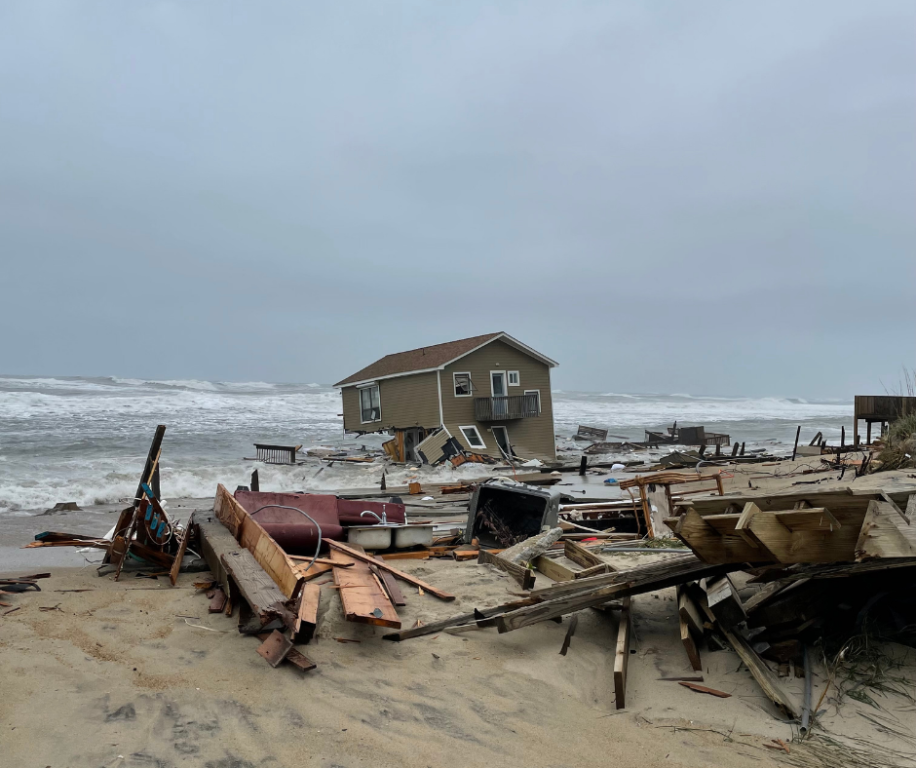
{"x": 432, "y": 446}
{"x": 406, "y": 401}
{"x": 531, "y": 437}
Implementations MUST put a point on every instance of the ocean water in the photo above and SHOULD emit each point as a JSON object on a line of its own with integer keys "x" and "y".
{"x": 85, "y": 439}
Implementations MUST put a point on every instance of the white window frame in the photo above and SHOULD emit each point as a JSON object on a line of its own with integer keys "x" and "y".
{"x": 518, "y": 379}
{"x": 455, "y": 376}
{"x": 483, "y": 444}
{"x": 535, "y": 392}
{"x": 359, "y": 390}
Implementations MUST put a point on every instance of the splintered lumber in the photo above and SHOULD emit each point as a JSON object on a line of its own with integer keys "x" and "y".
{"x": 319, "y": 569}
{"x": 216, "y": 541}
{"x": 581, "y": 556}
{"x": 674, "y": 564}
{"x": 525, "y": 551}
{"x": 724, "y": 602}
{"x": 255, "y": 585}
{"x": 299, "y": 660}
{"x": 363, "y": 557}
{"x": 622, "y": 656}
{"x": 688, "y": 611}
{"x": 524, "y": 576}
{"x": 766, "y": 679}
{"x": 885, "y": 533}
{"x": 570, "y": 631}
{"x": 307, "y": 613}
{"x": 690, "y": 645}
{"x": 632, "y": 582}
{"x": 182, "y": 548}
{"x": 704, "y": 689}
{"x": 483, "y": 616}
{"x": 249, "y": 533}
{"x": 390, "y": 584}
{"x": 691, "y": 627}
{"x": 361, "y": 596}
{"x": 595, "y": 570}
{"x": 552, "y": 569}
{"x": 217, "y": 602}
{"x": 275, "y": 648}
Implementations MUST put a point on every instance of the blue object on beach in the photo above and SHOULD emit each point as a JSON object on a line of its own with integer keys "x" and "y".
{"x": 611, "y": 481}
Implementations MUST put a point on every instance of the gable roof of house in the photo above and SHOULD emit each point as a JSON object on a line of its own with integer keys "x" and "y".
{"x": 433, "y": 358}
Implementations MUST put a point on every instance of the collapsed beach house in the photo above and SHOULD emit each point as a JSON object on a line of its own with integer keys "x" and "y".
{"x": 483, "y": 396}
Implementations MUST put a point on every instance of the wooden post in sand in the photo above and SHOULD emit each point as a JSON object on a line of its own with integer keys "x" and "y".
{"x": 797, "y": 435}
{"x": 583, "y": 464}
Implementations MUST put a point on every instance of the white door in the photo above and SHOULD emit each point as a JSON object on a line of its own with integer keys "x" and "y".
{"x": 500, "y": 394}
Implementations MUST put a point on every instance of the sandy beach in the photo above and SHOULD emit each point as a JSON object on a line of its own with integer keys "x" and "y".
{"x": 137, "y": 673}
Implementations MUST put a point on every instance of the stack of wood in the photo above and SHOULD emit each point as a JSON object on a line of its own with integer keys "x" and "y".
{"x": 277, "y": 598}
{"x": 827, "y": 527}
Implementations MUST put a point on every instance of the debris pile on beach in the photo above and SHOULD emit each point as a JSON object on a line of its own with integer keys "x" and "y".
{"x": 789, "y": 579}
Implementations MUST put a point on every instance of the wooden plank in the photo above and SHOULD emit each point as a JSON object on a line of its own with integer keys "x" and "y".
{"x": 885, "y": 534}
{"x": 704, "y": 689}
{"x": 275, "y": 648}
{"x": 307, "y": 614}
{"x": 258, "y": 589}
{"x": 476, "y": 618}
{"x": 319, "y": 569}
{"x": 299, "y": 660}
{"x": 815, "y": 519}
{"x": 552, "y": 569}
{"x": 723, "y": 600}
{"x": 764, "y": 676}
{"x": 798, "y": 536}
{"x": 343, "y": 548}
{"x": 182, "y": 548}
{"x": 390, "y": 584}
{"x": 630, "y": 583}
{"x": 689, "y": 645}
{"x": 215, "y": 541}
{"x": 580, "y": 555}
{"x": 595, "y": 570}
{"x": 248, "y": 532}
{"x": 361, "y": 597}
{"x": 522, "y": 575}
{"x": 710, "y": 545}
{"x": 671, "y": 564}
{"x": 622, "y": 656}
{"x": 688, "y": 612}
{"x": 217, "y": 602}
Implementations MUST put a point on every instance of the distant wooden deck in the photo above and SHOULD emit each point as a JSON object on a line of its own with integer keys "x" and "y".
{"x": 881, "y": 409}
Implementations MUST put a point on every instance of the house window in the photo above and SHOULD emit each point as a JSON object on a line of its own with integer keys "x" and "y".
{"x": 473, "y": 437}
{"x": 513, "y": 378}
{"x": 370, "y": 408}
{"x": 462, "y": 384}
{"x": 537, "y": 394}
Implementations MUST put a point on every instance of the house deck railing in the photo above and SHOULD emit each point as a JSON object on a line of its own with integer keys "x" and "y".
{"x": 504, "y": 408}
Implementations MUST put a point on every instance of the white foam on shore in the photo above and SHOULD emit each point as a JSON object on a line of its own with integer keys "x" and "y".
{"x": 84, "y": 439}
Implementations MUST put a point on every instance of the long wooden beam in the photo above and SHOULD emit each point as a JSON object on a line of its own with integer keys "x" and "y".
{"x": 340, "y": 547}
{"x": 249, "y": 533}
{"x": 630, "y": 583}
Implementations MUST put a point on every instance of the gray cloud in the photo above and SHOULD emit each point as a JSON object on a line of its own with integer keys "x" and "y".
{"x": 712, "y": 197}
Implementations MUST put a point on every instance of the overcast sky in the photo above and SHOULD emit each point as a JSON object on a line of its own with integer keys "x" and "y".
{"x": 702, "y": 197}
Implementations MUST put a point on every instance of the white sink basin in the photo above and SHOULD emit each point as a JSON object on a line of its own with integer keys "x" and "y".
{"x": 406, "y": 536}
{"x": 370, "y": 536}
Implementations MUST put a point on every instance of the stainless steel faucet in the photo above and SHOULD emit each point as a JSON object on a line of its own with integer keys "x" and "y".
{"x": 383, "y": 519}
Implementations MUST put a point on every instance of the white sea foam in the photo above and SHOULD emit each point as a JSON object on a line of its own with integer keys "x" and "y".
{"x": 84, "y": 439}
